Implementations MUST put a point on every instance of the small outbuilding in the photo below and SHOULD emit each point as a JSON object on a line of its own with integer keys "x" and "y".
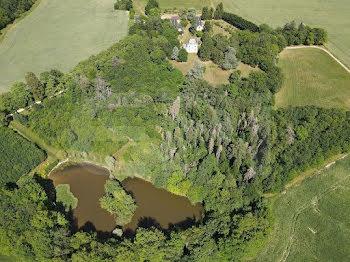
{"x": 199, "y": 23}
{"x": 175, "y": 20}
{"x": 192, "y": 46}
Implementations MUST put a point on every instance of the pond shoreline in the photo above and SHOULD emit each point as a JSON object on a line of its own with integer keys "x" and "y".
{"x": 69, "y": 161}
{"x": 156, "y": 206}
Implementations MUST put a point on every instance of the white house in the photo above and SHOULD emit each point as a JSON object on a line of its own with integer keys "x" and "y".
{"x": 199, "y": 23}
{"x": 191, "y": 46}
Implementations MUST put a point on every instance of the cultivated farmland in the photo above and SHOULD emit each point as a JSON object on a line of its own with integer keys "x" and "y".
{"x": 170, "y": 4}
{"x": 59, "y": 34}
{"x": 312, "y": 77}
{"x": 313, "y": 219}
{"x": 331, "y": 15}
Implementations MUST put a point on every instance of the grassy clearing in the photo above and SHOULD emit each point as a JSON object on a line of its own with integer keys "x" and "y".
{"x": 312, "y": 77}
{"x": 213, "y": 73}
{"x": 59, "y": 34}
{"x": 222, "y": 27}
{"x": 331, "y": 15}
{"x": 312, "y": 219}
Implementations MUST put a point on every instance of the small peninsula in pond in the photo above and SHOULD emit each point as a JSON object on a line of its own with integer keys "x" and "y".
{"x": 87, "y": 184}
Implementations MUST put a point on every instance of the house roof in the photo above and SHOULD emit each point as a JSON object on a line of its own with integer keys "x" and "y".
{"x": 175, "y": 21}
{"x": 175, "y": 18}
{"x": 199, "y": 20}
{"x": 192, "y": 41}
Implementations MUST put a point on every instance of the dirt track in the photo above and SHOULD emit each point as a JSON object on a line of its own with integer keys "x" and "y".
{"x": 324, "y": 49}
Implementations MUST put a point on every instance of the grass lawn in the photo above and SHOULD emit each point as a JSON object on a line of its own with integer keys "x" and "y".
{"x": 222, "y": 27}
{"x": 312, "y": 77}
{"x": 332, "y": 15}
{"x": 213, "y": 73}
{"x": 312, "y": 219}
{"x": 59, "y": 34}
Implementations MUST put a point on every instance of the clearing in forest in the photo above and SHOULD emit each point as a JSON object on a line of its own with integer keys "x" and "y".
{"x": 58, "y": 34}
{"x": 312, "y": 219}
{"x": 213, "y": 73}
{"x": 312, "y": 77}
{"x": 330, "y": 15}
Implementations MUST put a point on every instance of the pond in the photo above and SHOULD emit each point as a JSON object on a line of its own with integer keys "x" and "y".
{"x": 155, "y": 206}
{"x": 87, "y": 184}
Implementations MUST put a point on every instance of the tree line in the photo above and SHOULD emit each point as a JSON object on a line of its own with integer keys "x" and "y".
{"x": 253, "y": 45}
{"x": 12, "y": 9}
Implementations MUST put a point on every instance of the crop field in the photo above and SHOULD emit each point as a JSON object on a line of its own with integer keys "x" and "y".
{"x": 171, "y": 4}
{"x": 312, "y": 77}
{"x": 312, "y": 219}
{"x": 333, "y": 15}
{"x": 59, "y": 34}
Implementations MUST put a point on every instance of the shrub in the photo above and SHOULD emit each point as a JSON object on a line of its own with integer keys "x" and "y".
{"x": 66, "y": 197}
{"x": 183, "y": 55}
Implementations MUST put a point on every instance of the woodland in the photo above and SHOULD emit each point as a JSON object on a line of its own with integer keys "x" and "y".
{"x": 224, "y": 145}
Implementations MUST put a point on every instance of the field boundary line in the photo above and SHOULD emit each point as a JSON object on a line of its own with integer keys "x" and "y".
{"x": 301, "y": 209}
{"x": 305, "y": 175}
{"x": 321, "y": 48}
{"x": 5, "y": 30}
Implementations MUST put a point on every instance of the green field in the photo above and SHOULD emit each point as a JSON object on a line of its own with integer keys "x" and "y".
{"x": 59, "y": 34}
{"x": 312, "y": 77}
{"x": 313, "y": 219}
{"x": 332, "y": 15}
{"x": 170, "y": 4}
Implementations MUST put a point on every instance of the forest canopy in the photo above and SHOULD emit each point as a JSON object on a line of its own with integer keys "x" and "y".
{"x": 223, "y": 146}
{"x": 18, "y": 156}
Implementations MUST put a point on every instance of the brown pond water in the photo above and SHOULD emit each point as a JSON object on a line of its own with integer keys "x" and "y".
{"x": 158, "y": 204}
{"x": 87, "y": 184}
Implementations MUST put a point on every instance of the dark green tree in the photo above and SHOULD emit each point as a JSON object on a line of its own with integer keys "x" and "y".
{"x": 208, "y": 27}
{"x": 20, "y": 95}
{"x": 206, "y": 48}
{"x": 219, "y": 11}
{"x": 183, "y": 55}
{"x": 35, "y": 86}
{"x": 150, "y": 5}
{"x": 206, "y": 14}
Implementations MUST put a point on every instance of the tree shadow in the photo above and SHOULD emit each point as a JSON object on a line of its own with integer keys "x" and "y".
{"x": 48, "y": 186}
{"x": 148, "y": 222}
{"x": 50, "y": 190}
{"x": 89, "y": 227}
{"x": 182, "y": 225}
{"x": 11, "y": 186}
{"x": 144, "y": 222}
